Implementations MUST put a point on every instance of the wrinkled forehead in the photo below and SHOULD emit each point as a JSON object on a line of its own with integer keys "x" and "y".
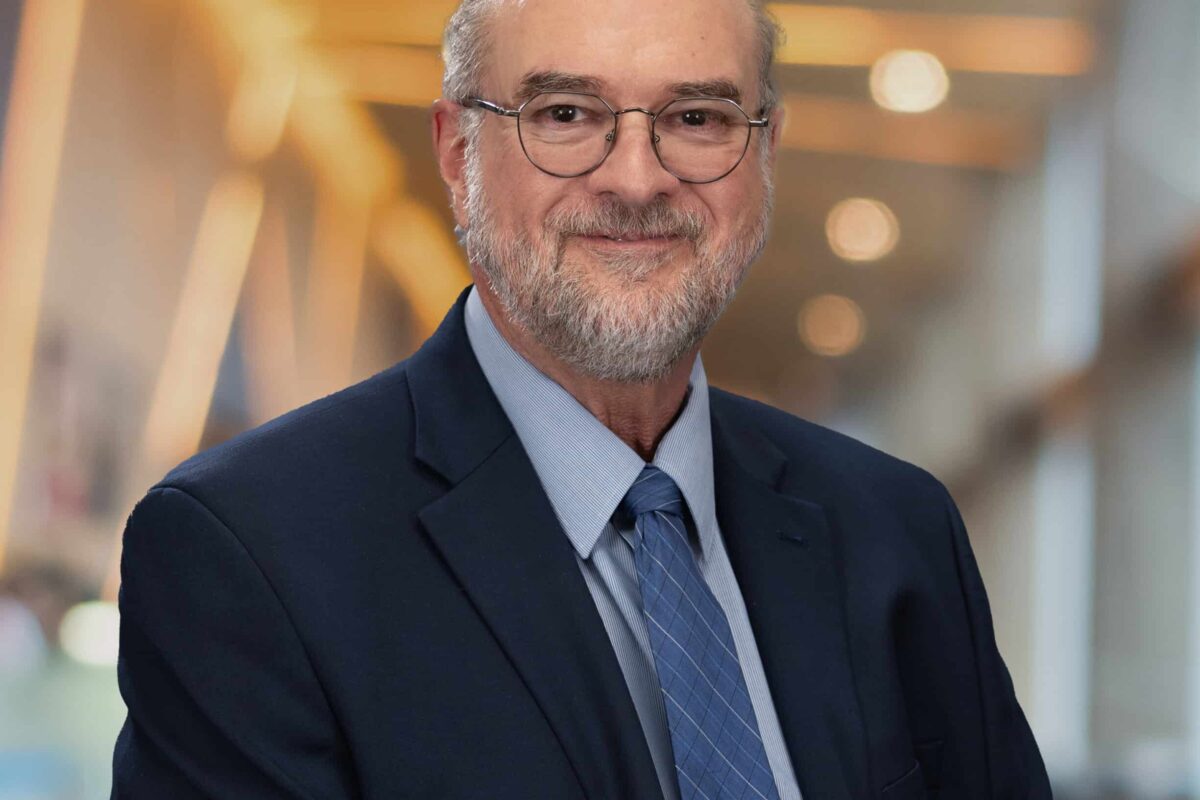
{"x": 634, "y": 52}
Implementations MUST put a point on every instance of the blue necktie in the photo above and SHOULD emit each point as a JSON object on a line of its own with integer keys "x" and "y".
{"x": 719, "y": 754}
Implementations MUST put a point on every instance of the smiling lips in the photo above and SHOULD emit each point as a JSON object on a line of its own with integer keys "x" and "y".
{"x": 632, "y": 238}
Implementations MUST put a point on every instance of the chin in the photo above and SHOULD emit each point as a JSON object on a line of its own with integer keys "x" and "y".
{"x": 630, "y": 276}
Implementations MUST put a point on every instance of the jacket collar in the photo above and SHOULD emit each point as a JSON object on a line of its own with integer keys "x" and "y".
{"x": 784, "y": 553}
{"x": 459, "y": 422}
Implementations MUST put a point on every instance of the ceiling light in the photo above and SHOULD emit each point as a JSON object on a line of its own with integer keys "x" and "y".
{"x": 909, "y": 81}
{"x": 862, "y": 229}
{"x": 832, "y": 325}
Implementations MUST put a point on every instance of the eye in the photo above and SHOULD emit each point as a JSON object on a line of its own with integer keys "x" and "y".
{"x": 562, "y": 111}
{"x": 696, "y": 118}
{"x": 563, "y": 114}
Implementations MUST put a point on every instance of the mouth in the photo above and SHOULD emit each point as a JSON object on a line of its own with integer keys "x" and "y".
{"x": 630, "y": 240}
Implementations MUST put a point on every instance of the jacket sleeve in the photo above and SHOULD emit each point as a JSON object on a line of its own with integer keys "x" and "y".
{"x": 1014, "y": 762}
{"x": 222, "y": 698}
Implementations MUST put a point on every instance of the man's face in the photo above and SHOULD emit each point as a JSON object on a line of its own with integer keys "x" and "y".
{"x": 619, "y": 272}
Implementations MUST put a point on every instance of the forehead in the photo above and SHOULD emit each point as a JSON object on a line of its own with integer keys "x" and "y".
{"x": 635, "y": 48}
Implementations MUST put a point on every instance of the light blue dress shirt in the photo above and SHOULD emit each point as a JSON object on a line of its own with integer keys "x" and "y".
{"x": 585, "y": 470}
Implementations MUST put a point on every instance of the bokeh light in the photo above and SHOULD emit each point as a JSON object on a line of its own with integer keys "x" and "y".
{"x": 862, "y": 229}
{"x": 910, "y": 81}
{"x": 832, "y": 325}
{"x": 90, "y": 633}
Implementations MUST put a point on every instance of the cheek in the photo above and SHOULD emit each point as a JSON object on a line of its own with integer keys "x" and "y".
{"x": 520, "y": 196}
{"x": 733, "y": 206}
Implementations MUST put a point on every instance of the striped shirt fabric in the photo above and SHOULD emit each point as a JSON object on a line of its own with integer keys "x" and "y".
{"x": 585, "y": 470}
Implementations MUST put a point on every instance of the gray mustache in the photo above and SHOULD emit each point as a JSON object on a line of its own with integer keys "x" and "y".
{"x": 614, "y": 218}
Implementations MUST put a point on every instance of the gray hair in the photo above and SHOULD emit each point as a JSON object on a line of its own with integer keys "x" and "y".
{"x": 465, "y": 47}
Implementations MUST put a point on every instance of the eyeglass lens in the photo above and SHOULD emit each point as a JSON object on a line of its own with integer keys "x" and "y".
{"x": 697, "y": 139}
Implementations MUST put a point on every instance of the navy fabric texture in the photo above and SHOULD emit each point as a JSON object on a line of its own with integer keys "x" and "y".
{"x": 371, "y": 597}
{"x": 719, "y": 753}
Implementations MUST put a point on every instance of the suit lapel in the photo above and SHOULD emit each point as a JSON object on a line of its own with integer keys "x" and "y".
{"x": 783, "y": 555}
{"x": 498, "y": 534}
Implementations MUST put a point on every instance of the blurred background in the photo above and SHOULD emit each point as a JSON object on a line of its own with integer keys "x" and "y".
{"x": 986, "y": 260}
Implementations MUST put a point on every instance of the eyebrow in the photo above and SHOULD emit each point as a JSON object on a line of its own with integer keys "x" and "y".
{"x": 719, "y": 87}
{"x": 554, "y": 81}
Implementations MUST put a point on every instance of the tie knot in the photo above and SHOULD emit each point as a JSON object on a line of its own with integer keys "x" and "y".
{"x": 653, "y": 491}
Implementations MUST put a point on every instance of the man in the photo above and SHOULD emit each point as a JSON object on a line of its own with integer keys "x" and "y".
{"x": 542, "y": 558}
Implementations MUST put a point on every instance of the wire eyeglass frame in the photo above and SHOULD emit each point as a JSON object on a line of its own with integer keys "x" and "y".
{"x": 611, "y": 136}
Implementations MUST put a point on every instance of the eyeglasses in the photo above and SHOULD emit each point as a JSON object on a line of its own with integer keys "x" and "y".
{"x": 568, "y": 134}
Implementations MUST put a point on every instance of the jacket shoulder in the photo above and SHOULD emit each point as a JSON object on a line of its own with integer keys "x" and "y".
{"x": 819, "y": 455}
{"x": 330, "y": 434}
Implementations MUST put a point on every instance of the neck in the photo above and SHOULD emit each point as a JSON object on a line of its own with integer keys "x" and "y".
{"x": 638, "y": 413}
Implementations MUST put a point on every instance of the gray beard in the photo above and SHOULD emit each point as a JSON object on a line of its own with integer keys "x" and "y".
{"x": 637, "y": 336}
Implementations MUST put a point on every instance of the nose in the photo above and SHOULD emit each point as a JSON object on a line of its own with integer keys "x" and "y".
{"x": 632, "y": 171}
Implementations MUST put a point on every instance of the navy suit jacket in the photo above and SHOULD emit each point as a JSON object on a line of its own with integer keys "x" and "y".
{"x": 371, "y": 597}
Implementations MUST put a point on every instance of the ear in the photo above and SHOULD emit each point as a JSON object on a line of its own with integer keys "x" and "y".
{"x": 778, "y": 118}
{"x": 450, "y": 148}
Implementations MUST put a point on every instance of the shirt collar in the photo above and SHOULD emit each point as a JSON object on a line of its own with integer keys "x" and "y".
{"x": 584, "y": 468}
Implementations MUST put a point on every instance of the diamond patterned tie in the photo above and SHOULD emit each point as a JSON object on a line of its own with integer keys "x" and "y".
{"x": 719, "y": 754}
